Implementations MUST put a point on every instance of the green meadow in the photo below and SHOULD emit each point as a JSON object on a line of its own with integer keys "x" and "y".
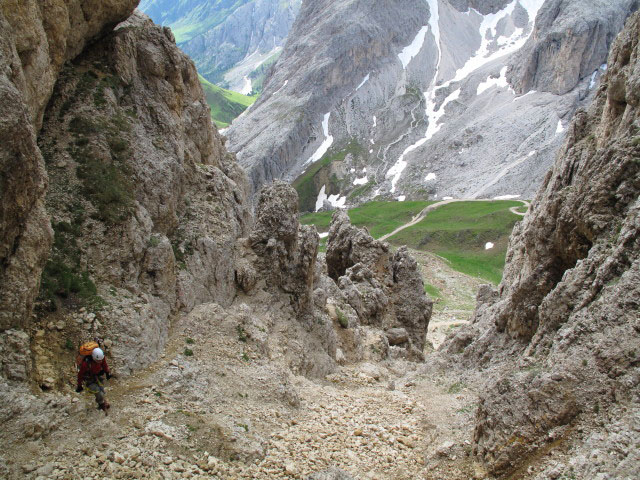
{"x": 225, "y": 104}
{"x": 457, "y": 232}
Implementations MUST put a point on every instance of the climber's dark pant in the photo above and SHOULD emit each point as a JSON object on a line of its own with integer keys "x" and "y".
{"x": 97, "y": 390}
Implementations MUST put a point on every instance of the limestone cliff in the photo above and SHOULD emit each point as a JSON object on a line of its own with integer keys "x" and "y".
{"x": 145, "y": 202}
{"x": 567, "y": 45}
{"x": 559, "y": 341}
{"x": 36, "y": 38}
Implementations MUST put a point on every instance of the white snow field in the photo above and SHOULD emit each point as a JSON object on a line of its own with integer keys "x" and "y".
{"x": 324, "y": 146}
{"x": 336, "y": 201}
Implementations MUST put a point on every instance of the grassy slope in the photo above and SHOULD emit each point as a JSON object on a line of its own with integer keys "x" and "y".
{"x": 378, "y": 217}
{"x": 305, "y": 184}
{"x": 225, "y": 104}
{"x": 458, "y": 232}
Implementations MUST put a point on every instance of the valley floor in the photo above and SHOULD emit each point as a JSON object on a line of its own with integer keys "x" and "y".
{"x": 219, "y": 414}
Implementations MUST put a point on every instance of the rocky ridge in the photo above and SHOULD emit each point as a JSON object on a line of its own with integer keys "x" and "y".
{"x": 558, "y": 340}
{"x": 454, "y": 102}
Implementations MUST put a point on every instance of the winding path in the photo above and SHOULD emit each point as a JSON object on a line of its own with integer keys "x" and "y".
{"x": 420, "y": 216}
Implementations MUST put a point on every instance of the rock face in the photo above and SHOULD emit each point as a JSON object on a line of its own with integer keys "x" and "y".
{"x": 285, "y": 251}
{"x": 384, "y": 289}
{"x": 567, "y": 308}
{"x": 144, "y": 199}
{"x": 227, "y": 42}
{"x": 424, "y": 99}
{"x": 35, "y": 40}
{"x": 567, "y": 45}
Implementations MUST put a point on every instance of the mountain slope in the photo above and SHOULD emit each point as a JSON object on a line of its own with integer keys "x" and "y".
{"x": 439, "y": 107}
{"x": 227, "y": 39}
{"x": 190, "y": 18}
{"x": 225, "y": 104}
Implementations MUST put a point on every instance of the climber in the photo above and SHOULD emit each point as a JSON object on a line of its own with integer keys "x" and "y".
{"x": 92, "y": 367}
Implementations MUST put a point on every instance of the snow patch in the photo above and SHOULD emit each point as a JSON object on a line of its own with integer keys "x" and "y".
{"x": 371, "y": 151}
{"x": 559, "y": 128}
{"x": 402, "y": 198}
{"x": 431, "y": 176}
{"x": 328, "y": 141}
{"x": 396, "y": 170}
{"x": 532, "y": 153}
{"x": 435, "y": 116}
{"x": 246, "y": 87}
{"x": 530, "y": 92}
{"x": 414, "y": 48}
{"x": 283, "y": 85}
{"x": 488, "y": 246}
{"x": 361, "y": 181}
{"x": 500, "y": 82}
{"x": 375, "y": 121}
{"x": 323, "y": 234}
{"x": 488, "y": 31}
{"x": 366, "y": 79}
{"x": 506, "y": 197}
{"x": 447, "y": 198}
{"x": 411, "y": 50}
{"x": 336, "y": 201}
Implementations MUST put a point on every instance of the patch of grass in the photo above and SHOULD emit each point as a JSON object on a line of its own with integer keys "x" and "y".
{"x": 343, "y": 321}
{"x": 522, "y": 209}
{"x": 242, "y": 333}
{"x": 259, "y": 74}
{"x": 322, "y": 220}
{"x": 189, "y": 341}
{"x": 153, "y": 242}
{"x": 63, "y": 277}
{"x": 310, "y": 182}
{"x": 188, "y": 352}
{"x": 456, "y": 388}
{"x": 196, "y": 21}
{"x": 361, "y": 190}
{"x": 432, "y": 291}
{"x": 244, "y": 426}
{"x": 225, "y": 104}
{"x": 459, "y": 231}
{"x": 379, "y": 218}
{"x": 106, "y": 182}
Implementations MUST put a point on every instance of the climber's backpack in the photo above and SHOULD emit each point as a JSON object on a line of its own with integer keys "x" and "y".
{"x": 84, "y": 351}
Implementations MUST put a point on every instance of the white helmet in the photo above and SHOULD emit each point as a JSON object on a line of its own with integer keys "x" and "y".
{"x": 97, "y": 355}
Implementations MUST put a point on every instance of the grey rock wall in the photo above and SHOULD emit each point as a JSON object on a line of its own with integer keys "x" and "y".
{"x": 558, "y": 342}
{"x": 36, "y": 38}
{"x": 259, "y": 26}
{"x": 452, "y": 120}
{"x": 330, "y": 59}
{"x": 570, "y": 41}
{"x": 143, "y": 194}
